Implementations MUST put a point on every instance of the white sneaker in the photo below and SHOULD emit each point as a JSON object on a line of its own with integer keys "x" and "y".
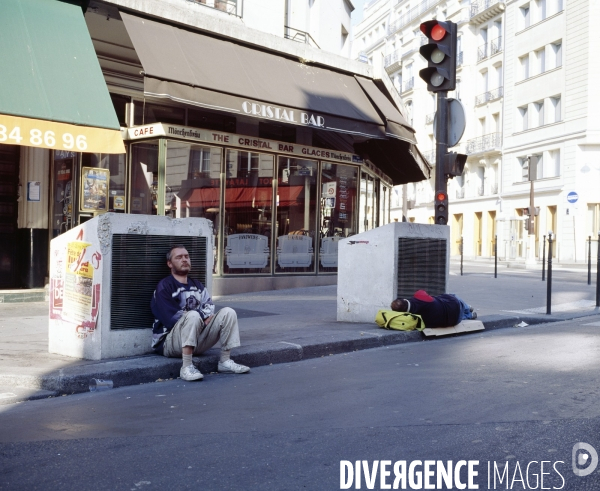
{"x": 190, "y": 373}
{"x": 231, "y": 366}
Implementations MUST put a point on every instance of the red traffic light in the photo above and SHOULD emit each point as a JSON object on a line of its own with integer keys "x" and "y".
{"x": 441, "y": 196}
{"x": 437, "y": 32}
{"x": 433, "y": 29}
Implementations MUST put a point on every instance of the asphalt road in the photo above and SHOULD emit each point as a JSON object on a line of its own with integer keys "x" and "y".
{"x": 503, "y": 397}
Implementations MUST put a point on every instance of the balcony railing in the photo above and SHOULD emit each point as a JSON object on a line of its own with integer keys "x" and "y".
{"x": 484, "y": 143}
{"x": 429, "y": 118}
{"x": 233, "y": 7}
{"x": 460, "y": 193}
{"x": 391, "y": 59}
{"x": 299, "y": 36}
{"x": 482, "y": 52}
{"x": 480, "y": 190}
{"x": 409, "y": 84}
{"x": 494, "y": 188}
{"x": 490, "y": 95}
{"x": 478, "y": 7}
{"x": 362, "y": 57}
{"x": 459, "y": 59}
{"x": 412, "y": 14}
{"x": 496, "y": 46}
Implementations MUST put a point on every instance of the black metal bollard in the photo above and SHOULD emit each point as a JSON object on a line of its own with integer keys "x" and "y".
{"x": 495, "y": 256}
{"x": 598, "y": 274}
{"x": 544, "y": 260}
{"x": 461, "y": 255}
{"x": 589, "y": 260}
{"x": 549, "y": 287}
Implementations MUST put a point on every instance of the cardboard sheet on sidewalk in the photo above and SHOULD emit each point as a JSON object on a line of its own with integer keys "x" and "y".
{"x": 464, "y": 326}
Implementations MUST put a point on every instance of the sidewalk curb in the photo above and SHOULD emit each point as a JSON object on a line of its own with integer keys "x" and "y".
{"x": 151, "y": 368}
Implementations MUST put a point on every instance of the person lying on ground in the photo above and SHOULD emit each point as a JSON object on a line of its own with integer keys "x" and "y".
{"x": 443, "y": 310}
{"x": 186, "y": 323}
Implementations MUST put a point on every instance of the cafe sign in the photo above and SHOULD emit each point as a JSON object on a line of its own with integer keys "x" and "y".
{"x": 240, "y": 141}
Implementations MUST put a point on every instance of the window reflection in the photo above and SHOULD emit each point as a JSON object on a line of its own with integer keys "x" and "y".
{"x": 296, "y": 214}
{"x": 248, "y": 212}
{"x": 192, "y": 185}
{"x": 144, "y": 178}
{"x": 337, "y": 213}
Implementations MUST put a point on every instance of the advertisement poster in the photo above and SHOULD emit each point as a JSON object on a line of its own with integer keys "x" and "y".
{"x": 94, "y": 189}
{"x": 77, "y": 285}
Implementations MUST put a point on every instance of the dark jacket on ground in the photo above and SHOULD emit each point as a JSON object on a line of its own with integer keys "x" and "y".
{"x": 442, "y": 311}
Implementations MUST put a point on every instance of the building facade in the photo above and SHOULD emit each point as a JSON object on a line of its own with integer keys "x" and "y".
{"x": 242, "y": 112}
{"x": 524, "y": 77}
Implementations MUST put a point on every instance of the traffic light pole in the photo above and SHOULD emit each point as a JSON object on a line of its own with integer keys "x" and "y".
{"x": 441, "y": 148}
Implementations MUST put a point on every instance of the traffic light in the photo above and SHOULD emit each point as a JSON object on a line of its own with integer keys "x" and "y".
{"x": 454, "y": 164}
{"x": 441, "y": 208}
{"x": 440, "y": 54}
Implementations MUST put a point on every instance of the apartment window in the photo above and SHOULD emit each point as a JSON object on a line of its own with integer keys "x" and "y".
{"x": 524, "y": 61}
{"x": 541, "y": 9}
{"x": 555, "y": 106}
{"x": 523, "y": 118}
{"x": 525, "y": 19}
{"x": 540, "y": 58}
{"x": 539, "y": 111}
{"x": 484, "y": 81}
{"x": 499, "y": 79}
{"x": 496, "y": 122}
{"x": 557, "y": 53}
{"x": 481, "y": 126}
{"x": 553, "y": 167}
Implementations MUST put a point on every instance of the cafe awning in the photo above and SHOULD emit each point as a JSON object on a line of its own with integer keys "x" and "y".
{"x": 52, "y": 91}
{"x": 197, "y": 69}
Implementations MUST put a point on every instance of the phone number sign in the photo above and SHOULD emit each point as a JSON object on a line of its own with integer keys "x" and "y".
{"x": 39, "y": 133}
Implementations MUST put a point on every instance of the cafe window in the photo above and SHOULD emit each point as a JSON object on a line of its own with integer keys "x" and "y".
{"x": 144, "y": 178}
{"x": 296, "y": 215}
{"x": 248, "y": 212}
{"x": 211, "y": 121}
{"x": 113, "y": 169}
{"x": 337, "y": 211}
{"x": 192, "y": 185}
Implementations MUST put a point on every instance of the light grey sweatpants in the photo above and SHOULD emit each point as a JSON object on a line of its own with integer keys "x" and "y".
{"x": 191, "y": 331}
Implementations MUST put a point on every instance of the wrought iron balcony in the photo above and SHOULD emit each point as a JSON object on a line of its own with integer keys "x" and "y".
{"x": 485, "y": 143}
{"x": 409, "y": 84}
{"x": 429, "y": 118}
{"x": 460, "y": 193}
{"x": 496, "y": 46}
{"x": 490, "y": 95}
{"x": 459, "y": 59}
{"x": 480, "y": 190}
{"x": 299, "y": 36}
{"x": 233, "y": 7}
{"x": 482, "y": 52}
{"x": 494, "y": 188}
{"x": 391, "y": 59}
{"x": 362, "y": 57}
{"x": 412, "y": 14}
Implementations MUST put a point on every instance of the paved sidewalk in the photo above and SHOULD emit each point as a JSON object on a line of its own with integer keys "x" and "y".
{"x": 276, "y": 327}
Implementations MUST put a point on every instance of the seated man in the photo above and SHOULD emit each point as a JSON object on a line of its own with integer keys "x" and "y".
{"x": 445, "y": 310}
{"x": 186, "y": 323}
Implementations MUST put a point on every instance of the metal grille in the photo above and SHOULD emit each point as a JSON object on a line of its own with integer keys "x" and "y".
{"x": 421, "y": 266}
{"x": 138, "y": 264}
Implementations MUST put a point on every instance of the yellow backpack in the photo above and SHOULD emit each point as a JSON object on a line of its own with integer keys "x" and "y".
{"x": 400, "y": 321}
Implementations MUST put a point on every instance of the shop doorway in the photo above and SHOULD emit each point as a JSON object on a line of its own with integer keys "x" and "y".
{"x": 9, "y": 193}
{"x": 551, "y": 225}
{"x": 491, "y": 231}
{"x": 478, "y": 229}
{"x": 457, "y": 230}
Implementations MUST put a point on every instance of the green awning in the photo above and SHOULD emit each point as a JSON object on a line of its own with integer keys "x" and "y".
{"x": 50, "y": 73}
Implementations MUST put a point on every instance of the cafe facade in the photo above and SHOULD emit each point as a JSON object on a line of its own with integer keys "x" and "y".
{"x": 284, "y": 157}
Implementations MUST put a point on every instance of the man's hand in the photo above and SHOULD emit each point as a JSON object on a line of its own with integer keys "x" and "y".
{"x": 208, "y": 319}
